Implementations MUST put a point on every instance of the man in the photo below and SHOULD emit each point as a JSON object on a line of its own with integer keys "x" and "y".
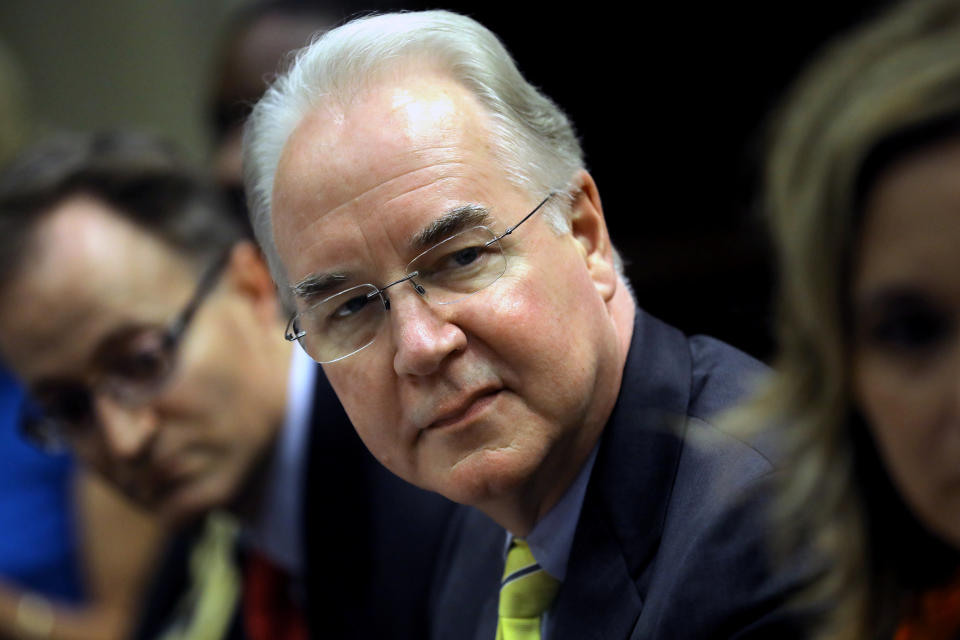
{"x": 146, "y": 328}
{"x": 447, "y": 254}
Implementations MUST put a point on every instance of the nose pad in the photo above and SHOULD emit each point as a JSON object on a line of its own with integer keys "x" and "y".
{"x": 423, "y": 337}
{"x": 126, "y": 430}
{"x": 416, "y": 287}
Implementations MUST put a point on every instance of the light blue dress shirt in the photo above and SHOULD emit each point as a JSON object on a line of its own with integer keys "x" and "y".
{"x": 552, "y": 537}
{"x": 277, "y": 528}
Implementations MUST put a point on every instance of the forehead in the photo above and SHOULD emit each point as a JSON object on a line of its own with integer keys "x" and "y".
{"x": 911, "y": 227}
{"x": 91, "y": 273}
{"x": 377, "y": 170}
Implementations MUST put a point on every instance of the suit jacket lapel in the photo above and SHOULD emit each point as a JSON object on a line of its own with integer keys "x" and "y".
{"x": 622, "y": 519}
{"x": 334, "y": 550}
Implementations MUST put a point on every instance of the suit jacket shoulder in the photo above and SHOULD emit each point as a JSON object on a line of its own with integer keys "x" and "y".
{"x": 675, "y": 517}
{"x": 671, "y": 538}
{"x": 371, "y": 539}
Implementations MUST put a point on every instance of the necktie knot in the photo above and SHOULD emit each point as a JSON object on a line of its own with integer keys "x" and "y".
{"x": 526, "y": 591}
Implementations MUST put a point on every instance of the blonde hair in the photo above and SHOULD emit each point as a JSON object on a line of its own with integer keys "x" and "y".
{"x": 895, "y": 74}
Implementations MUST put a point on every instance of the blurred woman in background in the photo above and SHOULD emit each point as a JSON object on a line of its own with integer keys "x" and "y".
{"x": 863, "y": 196}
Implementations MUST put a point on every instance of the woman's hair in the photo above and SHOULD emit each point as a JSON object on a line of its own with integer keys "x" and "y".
{"x": 887, "y": 88}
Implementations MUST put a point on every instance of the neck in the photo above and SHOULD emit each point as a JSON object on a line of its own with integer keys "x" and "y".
{"x": 520, "y": 511}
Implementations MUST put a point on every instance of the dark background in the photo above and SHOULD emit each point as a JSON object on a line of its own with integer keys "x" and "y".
{"x": 671, "y": 101}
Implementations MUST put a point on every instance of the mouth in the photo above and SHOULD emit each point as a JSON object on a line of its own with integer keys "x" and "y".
{"x": 463, "y": 411}
{"x": 174, "y": 472}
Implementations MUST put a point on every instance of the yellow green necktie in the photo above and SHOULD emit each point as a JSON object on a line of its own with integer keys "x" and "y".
{"x": 215, "y": 584}
{"x": 526, "y": 591}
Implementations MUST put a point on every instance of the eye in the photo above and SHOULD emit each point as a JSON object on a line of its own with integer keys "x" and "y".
{"x": 455, "y": 260}
{"x": 352, "y": 306}
{"x": 919, "y": 330}
{"x": 908, "y": 324}
{"x": 466, "y": 256}
{"x": 143, "y": 358}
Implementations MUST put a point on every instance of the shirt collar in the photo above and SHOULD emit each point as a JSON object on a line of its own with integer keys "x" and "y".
{"x": 276, "y": 529}
{"x": 552, "y": 537}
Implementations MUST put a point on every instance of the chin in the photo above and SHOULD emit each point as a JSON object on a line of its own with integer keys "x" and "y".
{"x": 488, "y": 475}
{"x": 193, "y": 500}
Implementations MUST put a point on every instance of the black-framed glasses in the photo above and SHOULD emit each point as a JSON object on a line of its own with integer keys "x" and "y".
{"x": 131, "y": 367}
{"x": 346, "y": 322}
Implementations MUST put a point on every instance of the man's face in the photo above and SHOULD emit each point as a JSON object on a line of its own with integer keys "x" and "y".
{"x": 500, "y": 393}
{"x": 96, "y": 279}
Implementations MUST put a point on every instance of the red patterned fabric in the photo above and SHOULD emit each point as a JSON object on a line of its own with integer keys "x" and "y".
{"x": 269, "y": 613}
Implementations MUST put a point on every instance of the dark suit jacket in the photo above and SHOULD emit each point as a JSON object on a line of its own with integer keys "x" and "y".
{"x": 671, "y": 541}
{"x": 370, "y": 542}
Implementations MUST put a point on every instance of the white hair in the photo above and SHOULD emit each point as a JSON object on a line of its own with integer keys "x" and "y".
{"x": 532, "y": 137}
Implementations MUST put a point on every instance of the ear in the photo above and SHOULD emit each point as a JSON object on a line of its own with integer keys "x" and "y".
{"x": 249, "y": 276}
{"x": 589, "y": 230}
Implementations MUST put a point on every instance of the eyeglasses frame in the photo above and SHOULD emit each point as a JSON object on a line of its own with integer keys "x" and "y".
{"x": 292, "y": 333}
{"x": 172, "y": 337}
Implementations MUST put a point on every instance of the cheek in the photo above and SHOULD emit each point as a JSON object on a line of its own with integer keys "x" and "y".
{"x": 904, "y": 407}
{"x": 905, "y": 415}
{"x": 214, "y": 396}
{"x": 894, "y": 416}
{"x": 913, "y": 418}
{"x": 547, "y": 330}
{"x": 92, "y": 451}
{"x": 369, "y": 398}
{"x": 197, "y": 391}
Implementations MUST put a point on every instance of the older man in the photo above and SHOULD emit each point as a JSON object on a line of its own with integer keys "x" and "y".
{"x": 447, "y": 253}
{"x": 147, "y": 330}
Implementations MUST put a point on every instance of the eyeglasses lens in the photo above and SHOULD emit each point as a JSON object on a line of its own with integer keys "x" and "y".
{"x": 447, "y": 272}
{"x": 131, "y": 370}
{"x": 343, "y": 323}
{"x": 139, "y": 366}
{"x": 459, "y": 266}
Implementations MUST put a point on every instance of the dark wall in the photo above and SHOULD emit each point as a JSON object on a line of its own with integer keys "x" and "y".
{"x": 670, "y": 100}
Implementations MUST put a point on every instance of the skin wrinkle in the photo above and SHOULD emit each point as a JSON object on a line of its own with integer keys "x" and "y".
{"x": 425, "y": 154}
{"x": 518, "y": 455}
{"x": 313, "y": 286}
{"x": 340, "y": 133}
{"x": 320, "y": 245}
{"x": 449, "y": 224}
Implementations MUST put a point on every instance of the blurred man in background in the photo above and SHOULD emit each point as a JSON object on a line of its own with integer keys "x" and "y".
{"x": 74, "y": 554}
{"x": 258, "y": 42}
{"x": 145, "y": 325}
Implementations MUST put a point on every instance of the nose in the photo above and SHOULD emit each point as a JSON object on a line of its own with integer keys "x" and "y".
{"x": 126, "y": 430}
{"x": 423, "y": 334}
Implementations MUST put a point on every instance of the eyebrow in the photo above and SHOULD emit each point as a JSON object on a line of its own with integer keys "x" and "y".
{"x": 450, "y": 223}
{"x": 318, "y": 284}
{"x": 892, "y": 298}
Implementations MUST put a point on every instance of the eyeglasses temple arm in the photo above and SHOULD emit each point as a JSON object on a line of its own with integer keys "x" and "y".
{"x": 526, "y": 217}
{"x": 207, "y": 281}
